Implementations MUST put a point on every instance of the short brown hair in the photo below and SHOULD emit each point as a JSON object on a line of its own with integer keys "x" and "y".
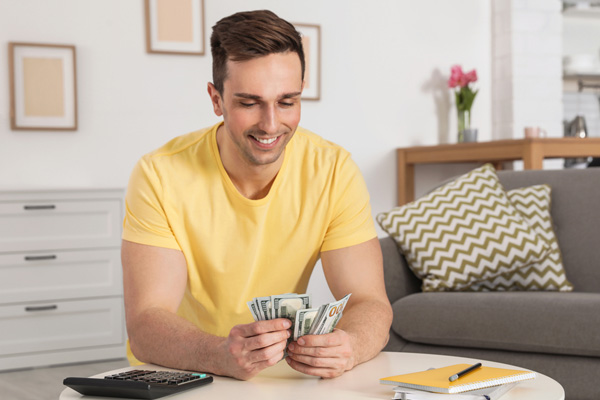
{"x": 248, "y": 35}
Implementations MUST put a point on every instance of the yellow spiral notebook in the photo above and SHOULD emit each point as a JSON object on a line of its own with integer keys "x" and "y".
{"x": 436, "y": 380}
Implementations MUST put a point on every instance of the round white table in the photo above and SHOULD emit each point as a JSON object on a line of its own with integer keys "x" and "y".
{"x": 282, "y": 382}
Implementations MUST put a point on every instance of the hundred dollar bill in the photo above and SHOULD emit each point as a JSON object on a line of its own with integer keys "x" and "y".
{"x": 261, "y": 308}
{"x": 331, "y": 322}
{"x": 286, "y": 305}
{"x": 254, "y": 310}
{"x": 264, "y": 307}
{"x": 328, "y": 317}
{"x": 318, "y": 317}
{"x": 304, "y": 320}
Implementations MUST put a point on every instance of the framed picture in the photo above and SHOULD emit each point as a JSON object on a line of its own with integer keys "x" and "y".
{"x": 43, "y": 86}
{"x": 175, "y": 26}
{"x": 311, "y": 41}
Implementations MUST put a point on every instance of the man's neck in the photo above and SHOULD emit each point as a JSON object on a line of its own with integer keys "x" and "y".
{"x": 252, "y": 181}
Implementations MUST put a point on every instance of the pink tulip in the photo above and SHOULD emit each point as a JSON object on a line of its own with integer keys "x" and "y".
{"x": 459, "y": 78}
{"x": 455, "y": 76}
{"x": 452, "y": 83}
{"x": 456, "y": 71}
{"x": 471, "y": 76}
{"x": 461, "y": 83}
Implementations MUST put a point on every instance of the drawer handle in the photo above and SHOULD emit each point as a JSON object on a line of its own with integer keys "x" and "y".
{"x": 40, "y": 207}
{"x": 38, "y": 258}
{"x": 41, "y": 308}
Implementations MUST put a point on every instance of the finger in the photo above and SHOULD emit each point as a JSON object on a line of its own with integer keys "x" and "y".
{"x": 266, "y": 339}
{"x": 322, "y": 372}
{"x": 271, "y": 354}
{"x": 260, "y": 327}
{"x": 333, "y": 352}
{"x": 328, "y": 340}
{"x": 262, "y": 359}
{"x": 319, "y": 362}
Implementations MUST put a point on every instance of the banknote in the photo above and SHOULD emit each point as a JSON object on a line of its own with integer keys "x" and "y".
{"x": 328, "y": 316}
{"x": 297, "y": 308}
{"x": 270, "y": 307}
{"x": 286, "y": 305}
{"x": 254, "y": 310}
{"x": 264, "y": 307}
{"x": 304, "y": 320}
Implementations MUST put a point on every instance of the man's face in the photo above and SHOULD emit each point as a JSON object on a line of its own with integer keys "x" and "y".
{"x": 260, "y": 106}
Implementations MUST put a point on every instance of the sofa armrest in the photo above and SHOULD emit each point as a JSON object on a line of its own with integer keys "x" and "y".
{"x": 399, "y": 279}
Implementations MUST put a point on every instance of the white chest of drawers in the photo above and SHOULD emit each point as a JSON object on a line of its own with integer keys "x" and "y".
{"x": 61, "y": 296}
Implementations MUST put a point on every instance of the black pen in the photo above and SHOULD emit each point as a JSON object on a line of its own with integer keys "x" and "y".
{"x": 464, "y": 372}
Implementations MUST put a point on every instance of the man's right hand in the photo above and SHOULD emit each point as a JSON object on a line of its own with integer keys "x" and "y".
{"x": 154, "y": 281}
{"x": 250, "y": 348}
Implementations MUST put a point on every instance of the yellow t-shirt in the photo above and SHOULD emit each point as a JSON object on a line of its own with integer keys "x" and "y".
{"x": 180, "y": 197}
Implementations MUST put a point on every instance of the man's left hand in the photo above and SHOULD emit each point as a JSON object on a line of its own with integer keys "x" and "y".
{"x": 327, "y": 356}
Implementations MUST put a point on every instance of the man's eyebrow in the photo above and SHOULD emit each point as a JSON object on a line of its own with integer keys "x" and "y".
{"x": 247, "y": 96}
{"x": 290, "y": 95}
{"x": 257, "y": 97}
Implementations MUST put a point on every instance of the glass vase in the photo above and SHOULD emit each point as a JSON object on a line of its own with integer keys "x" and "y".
{"x": 464, "y": 123}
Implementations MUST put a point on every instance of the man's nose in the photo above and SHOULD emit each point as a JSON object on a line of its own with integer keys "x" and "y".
{"x": 269, "y": 120}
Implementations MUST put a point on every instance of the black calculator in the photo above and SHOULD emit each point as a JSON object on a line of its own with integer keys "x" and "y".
{"x": 138, "y": 384}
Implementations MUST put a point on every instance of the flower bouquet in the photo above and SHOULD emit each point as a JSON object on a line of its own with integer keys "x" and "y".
{"x": 465, "y": 95}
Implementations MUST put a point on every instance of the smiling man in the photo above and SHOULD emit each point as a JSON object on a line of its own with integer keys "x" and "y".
{"x": 244, "y": 209}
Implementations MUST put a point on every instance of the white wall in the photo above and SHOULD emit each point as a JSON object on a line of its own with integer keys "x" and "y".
{"x": 384, "y": 70}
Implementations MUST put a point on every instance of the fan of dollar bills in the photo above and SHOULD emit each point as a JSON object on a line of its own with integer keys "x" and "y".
{"x": 297, "y": 308}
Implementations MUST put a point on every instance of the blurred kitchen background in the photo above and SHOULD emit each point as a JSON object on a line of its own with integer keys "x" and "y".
{"x": 581, "y": 63}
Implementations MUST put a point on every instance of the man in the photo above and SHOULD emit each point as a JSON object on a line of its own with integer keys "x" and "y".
{"x": 244, "y": 209}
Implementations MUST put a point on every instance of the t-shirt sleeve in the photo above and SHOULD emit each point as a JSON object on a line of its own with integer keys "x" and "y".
{"x": 351, "y": 222}
{"x": 145, "y": 220}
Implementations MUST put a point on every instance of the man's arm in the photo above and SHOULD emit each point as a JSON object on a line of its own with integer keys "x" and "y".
{"x": 364, "y": 328}
{"x": 154, "y": 281}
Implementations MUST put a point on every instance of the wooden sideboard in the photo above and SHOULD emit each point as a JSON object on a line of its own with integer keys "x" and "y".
{"x": 531, "y": 151}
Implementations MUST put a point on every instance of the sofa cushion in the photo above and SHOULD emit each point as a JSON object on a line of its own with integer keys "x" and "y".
{"x": 576, "y": 218}
{"x": 542, "y": 322}
{"x": 462, "y": 233}
{"x": 533, "y": 203}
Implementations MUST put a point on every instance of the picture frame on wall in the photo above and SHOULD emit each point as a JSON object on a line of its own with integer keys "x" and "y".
{"x": 311, "y": 42}
{"x": 175, "y": 26}
{"x": 43, "y": 86}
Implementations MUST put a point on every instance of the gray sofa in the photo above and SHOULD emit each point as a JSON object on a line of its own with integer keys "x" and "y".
{"x": 554, "y": 333}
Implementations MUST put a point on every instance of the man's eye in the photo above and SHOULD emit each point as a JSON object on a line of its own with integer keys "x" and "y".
{"x": 248, "y": 105}
{"x": 286, "y": 104}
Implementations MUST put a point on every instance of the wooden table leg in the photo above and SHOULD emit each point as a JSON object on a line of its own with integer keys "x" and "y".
{"x": 533, "y": 157}
{"x": 406, "y": 179}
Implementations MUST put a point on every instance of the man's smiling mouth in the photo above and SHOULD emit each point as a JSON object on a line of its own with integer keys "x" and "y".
{"x": 265, "y": 141}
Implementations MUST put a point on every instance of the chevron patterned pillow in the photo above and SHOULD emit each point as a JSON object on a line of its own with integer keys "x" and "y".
{"x": 548, "y": 274}
{"x": 464, "y": 232}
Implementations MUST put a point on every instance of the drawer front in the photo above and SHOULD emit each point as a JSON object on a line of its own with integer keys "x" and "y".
{"x": 57, "y": 275}
{"x": 37, "y": 225}
{"x": 38, "y": 327}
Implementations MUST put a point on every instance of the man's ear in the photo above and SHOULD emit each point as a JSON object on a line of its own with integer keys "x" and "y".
{"x": 215, "y": 98}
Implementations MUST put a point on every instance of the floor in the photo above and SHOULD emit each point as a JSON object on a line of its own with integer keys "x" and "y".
{"x": 46, "y": 383}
